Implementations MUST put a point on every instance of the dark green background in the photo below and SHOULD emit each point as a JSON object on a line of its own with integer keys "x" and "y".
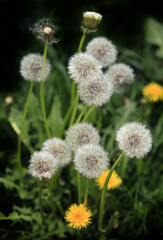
{"x": 122, "y": 23}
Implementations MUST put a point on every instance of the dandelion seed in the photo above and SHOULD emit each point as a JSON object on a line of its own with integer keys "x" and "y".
{"x": 96, "y": 92}
{"x": 114, "y": 181}
{"x": 90, "y": 160}
{"x": 59, "y": 149}
{"x": 134, "y": 139}
{"x": 80, "y": 134}
{"x": 31, "y": 67}
{"x": 42, "y": 165}
{"x": 102, "y": 50}
{"x": 78, "y": 216}
{"x": 83, "y": 67}
{"x": 90, "y": 22}
{"x": 9, "y": 100}
{"x": 153, "y": 92}
{"x": 43, "y": 29}
{"x": 120, "y": 74}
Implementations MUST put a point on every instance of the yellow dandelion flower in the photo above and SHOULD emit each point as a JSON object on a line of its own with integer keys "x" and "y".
{"x": 78, "y": 216}
{"x": 153, "y": 92}
{"x": 114, "y": 181}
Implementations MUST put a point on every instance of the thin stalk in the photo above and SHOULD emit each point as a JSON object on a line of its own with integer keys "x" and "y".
{"x": 88, "y": 113}
{"x": 81, "y": 114}
{"x": 66, "y": 119}
{"x": 79, "y": 187}
{"x": 42, "y": 100}
{"x": 103, "y": 194}
{"x": 40, "y": 200}
{"x": 73, "y": 90}
{"x": 21, "y": 131}
{"x": 74, "y": 110}
{"x": 51, "y": 199}
{"x": 86, "y": 192}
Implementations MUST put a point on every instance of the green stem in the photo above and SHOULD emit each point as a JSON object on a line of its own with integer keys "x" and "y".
{"x": 42, "y": 100}
{"x": 81, "y": 114}
{"x": 81, "y": 43}
{"x": 22, "y": 129}
{"x": 86, "y": 192}
{"x": 66, "y": 119}
{"x": 74, "y": 110}
{"x": 103, "y": 194}
{"x": 51, "y": 199}
{"x": 40, "y": 200}
{"x": 88, "y": 113}
{"x": 79, "y": 187}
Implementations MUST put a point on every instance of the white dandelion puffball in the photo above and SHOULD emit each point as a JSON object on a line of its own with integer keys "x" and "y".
{"x": 42, "y": 165}
{"x": 83, "y": 67}
{"x": 92, "y": 15}
{"x": 91, "y": 160}
{"x": 134, "y": 139}
{"x": 80, "y": 134}
{"x": 120, "y": 74}
{"x": 31, "y": 67}
{"x": 97, "y": 92}
{"x": 59, "y": 149}
{"x": 103, "y": 50}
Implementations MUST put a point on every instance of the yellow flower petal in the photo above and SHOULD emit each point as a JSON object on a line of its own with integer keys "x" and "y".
{"x": 78, "y": 216}
{"x": 153, "y": 92}
{"x": 114, "y": 181}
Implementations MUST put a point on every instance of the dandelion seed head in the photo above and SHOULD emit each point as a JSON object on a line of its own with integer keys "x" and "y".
{"x": 31, "y": 67}
{"x": 83, "y": 67}
{"x": 59, "y": 149}
{"x": 90, "y": 160}
{"x": 134, "y": 139}
{"x": 43, "y": 29}
{"x": 42, "y": 165}
{"x": 114, "y": 181}
{"x": 120, "y": 74}
{"x": 102, "y": 50}
{"x": 78, "y": 216}
{"x": 96, "y": 92}
{"x": 80, "y": 134}
{"x": 153, "y": 92}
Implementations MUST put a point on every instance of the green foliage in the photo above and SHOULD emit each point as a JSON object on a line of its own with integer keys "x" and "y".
{"x": 131, "y": 211}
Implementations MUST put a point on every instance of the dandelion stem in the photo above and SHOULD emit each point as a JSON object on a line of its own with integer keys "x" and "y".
{"x": 86, "y": 192}
{"x": 88, "y": 113}
{"x": 103, "y": 194}
{"x": 40, "y": 200}
{"x": 22, "y": 129}
{"x": 81, "y": 114}
{"x": 74, "y": 110}
{"x": 81, "y": 43}
{"x": 79, "y": 187}
{"x": 51, "y": 199}
{"x": 42, "y": 100}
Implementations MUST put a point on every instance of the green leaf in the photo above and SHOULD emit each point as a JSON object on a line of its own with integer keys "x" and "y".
{"x": 55, "y": 119}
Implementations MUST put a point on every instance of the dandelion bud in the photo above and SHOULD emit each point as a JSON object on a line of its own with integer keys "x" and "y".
{"x": 120, "y": 74}
{"x": 83, "y": 67}
{"x": 134, "y": 139}
{"x": 59, "y": 149}
{"x": 31, "y": 67}
{"x": 97, "y": 92}
{"x": 42, "y": 165}
{"x": 102, "y": 50}
{"x": 43, "y": 29}
{"x": 91, "y": 160}
{"x": 90, "y": 22}
{"x": 81, "y": 134}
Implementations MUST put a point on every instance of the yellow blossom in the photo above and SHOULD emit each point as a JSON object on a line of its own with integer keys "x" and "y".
{"x": 114, "y": 181}
{"x": 153, "y": 92}
{"x": 78, "y": 216}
